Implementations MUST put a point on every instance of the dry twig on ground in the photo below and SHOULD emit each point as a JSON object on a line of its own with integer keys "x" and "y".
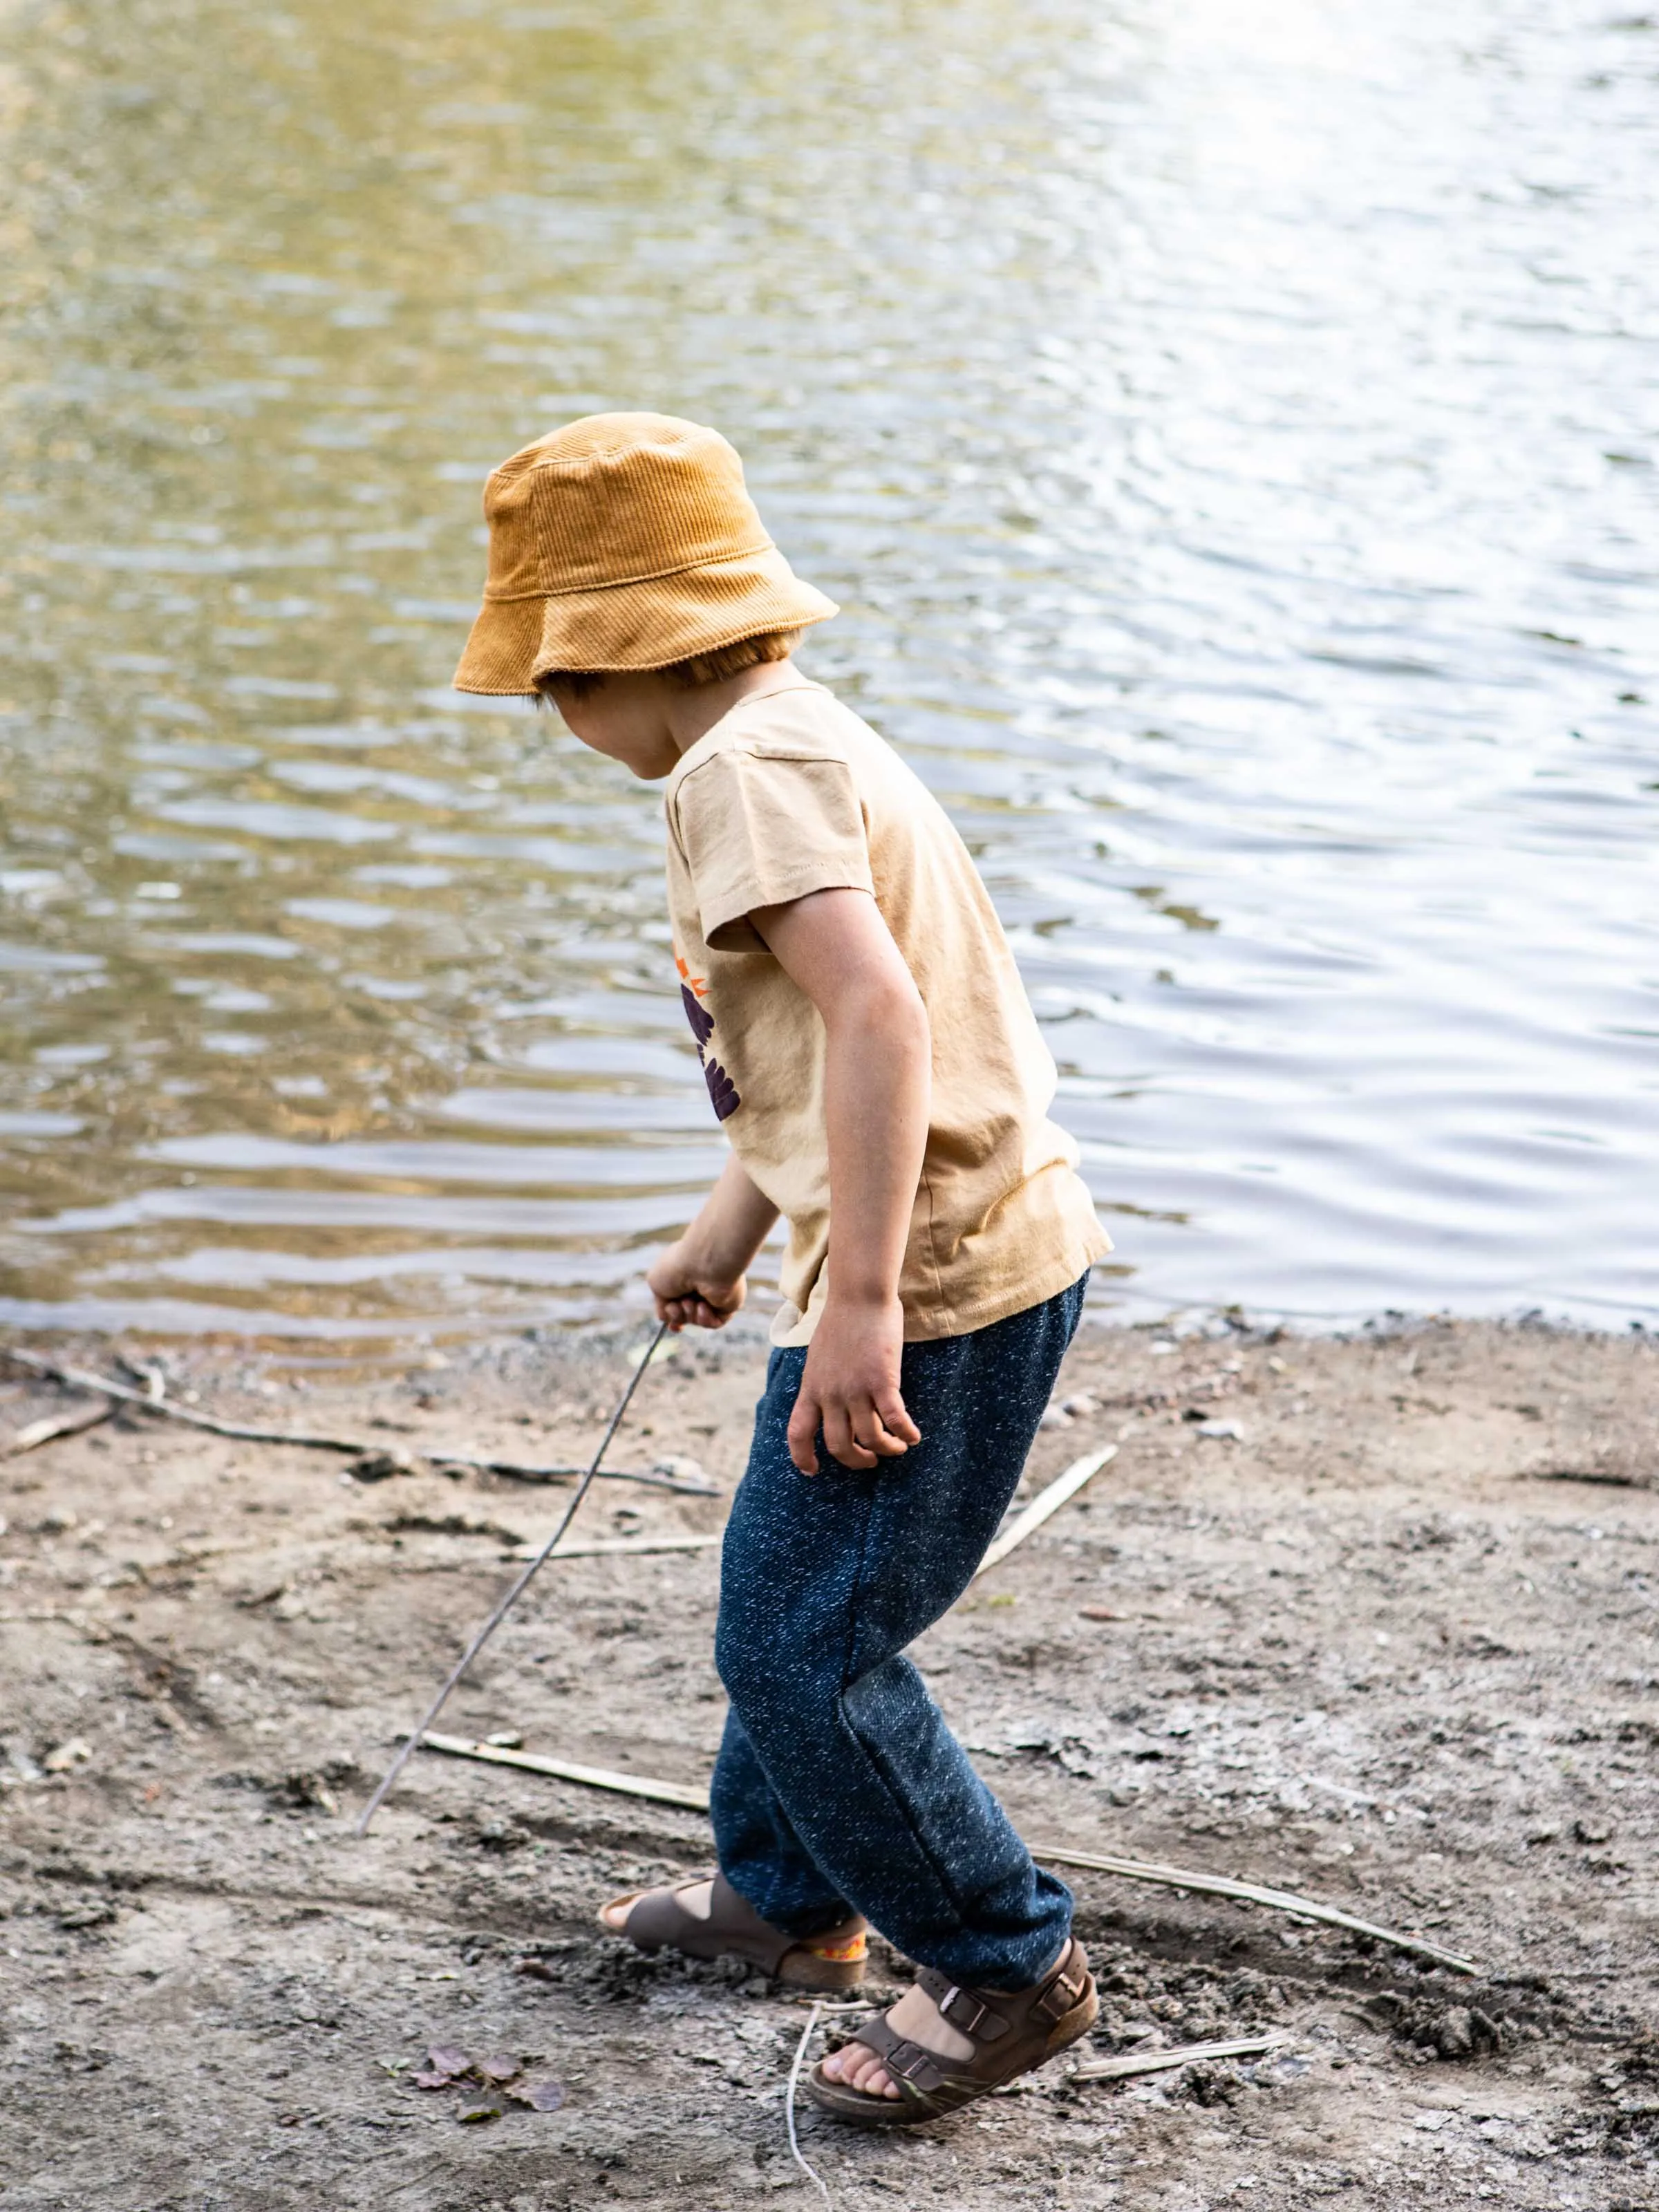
{"x": 1047, "y": 1502}
{"x": 75, "y": 1379}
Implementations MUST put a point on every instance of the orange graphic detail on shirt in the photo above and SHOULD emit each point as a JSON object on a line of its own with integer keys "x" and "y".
{"x": 722, "y": 1092}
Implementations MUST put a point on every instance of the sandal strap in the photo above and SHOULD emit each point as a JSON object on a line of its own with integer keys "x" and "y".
{"x": 732, "y": 1929}
{"x": 986, "y": 2015}
{"x": 968, "y": 2010}
{"x": 919, "y": 2069}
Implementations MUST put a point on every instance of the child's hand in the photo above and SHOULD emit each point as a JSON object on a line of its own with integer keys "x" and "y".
{"x": 687, "y": 1295}
{"x": 850, "y": 1387}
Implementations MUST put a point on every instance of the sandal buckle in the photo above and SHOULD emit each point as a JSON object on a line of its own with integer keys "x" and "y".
{"x": 973, "y": 2018}
{"x": 1061, "y": 1994}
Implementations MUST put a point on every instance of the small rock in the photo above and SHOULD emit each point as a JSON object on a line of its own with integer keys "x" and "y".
{"x": 1053, "y": 1417}
{"x": 1222, "y": 1431}
{"x": 301, "y": 1790}
{"x": 382, "y": 1466}
{"x": 95, "y": 1912}
{"x": 75, "y": 1752}
{"x": 506, "y": 1739}
{"x": 1079, "y": 1406}
{"x": 681, "y": 1467}
{"x": 1587, "y": 1831}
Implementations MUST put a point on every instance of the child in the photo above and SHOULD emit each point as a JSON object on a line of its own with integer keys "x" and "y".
{"x": 871, "y": 1054}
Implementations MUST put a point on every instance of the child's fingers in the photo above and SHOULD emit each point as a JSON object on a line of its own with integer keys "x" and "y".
{"x": 840, "y": 1435}
{"x": 890, "y": 1411}
{"x": 873, "y": 1433}
{"x": 803, "y": 1435}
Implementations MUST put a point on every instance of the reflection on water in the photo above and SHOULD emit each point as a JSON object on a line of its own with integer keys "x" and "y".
{"x": 1230, "y": 433}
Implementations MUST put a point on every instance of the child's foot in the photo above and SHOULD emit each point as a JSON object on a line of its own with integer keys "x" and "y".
{"x": 916, "y": 2017}
{"x": 709, "y": 1920}
{"x": 943, "y": 2045}
{"x": 692, "y": 1897}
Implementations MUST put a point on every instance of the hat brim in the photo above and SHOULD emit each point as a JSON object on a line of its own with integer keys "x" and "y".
{"x": 635, "y": 626}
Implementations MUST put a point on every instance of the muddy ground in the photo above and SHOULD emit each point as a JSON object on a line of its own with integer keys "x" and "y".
{"x": 1374, "y": 1646}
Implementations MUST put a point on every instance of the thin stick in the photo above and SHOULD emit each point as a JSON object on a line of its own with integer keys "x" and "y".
{"x": 520, "y": 1584}
{"x": 692, "y": 1799}
{"x": 1248, "y": 1892}
{"x": 612, "y": 1547}
{"x": 76, "y": 1378}
{"x": 37, "y": 1433}
{"x": 1047, "y": 1502}
{"x": 812, "y": 2175}
{"x": 1162, "y": 2061}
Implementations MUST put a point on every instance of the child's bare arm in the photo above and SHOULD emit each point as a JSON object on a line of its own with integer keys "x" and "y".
{"x": 700, "y": 1281}
{"x": 835, "y": 945}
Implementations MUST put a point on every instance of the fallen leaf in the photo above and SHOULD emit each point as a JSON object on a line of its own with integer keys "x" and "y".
{"x": 538, "y": 1969}
{"x": 480, "y": 2108}
{"x": 427, "y": 2081}
{"x": 446, "y": 2058}
{"x": 501, "y": 2066}
{"x": 540, "y": 2096}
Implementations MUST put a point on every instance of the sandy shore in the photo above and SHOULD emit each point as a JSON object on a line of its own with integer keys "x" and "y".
{"x": 1344, "y": 1617}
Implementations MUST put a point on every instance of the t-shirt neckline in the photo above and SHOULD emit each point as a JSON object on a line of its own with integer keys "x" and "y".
{"x": 756, "y": 698}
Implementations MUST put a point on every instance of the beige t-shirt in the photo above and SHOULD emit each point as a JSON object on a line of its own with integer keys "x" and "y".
{"x": 792, "y": 793}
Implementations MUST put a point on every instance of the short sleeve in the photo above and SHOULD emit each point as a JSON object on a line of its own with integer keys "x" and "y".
{"x": 761, "y": 829}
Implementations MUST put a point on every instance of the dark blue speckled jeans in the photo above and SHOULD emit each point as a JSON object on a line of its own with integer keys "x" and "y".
{"x": 838, "y": 1782}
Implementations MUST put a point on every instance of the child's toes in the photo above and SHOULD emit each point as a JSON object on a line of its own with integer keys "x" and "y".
{"x": 866, "y": 2073}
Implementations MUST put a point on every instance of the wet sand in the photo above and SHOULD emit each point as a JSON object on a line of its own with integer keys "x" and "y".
{"x": 1371, "y": 1647}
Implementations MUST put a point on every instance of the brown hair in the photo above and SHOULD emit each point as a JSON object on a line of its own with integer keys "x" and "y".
{"x": 725, "y": 660}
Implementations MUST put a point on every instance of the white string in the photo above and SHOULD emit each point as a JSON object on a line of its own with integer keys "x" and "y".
{"x": 789, "y": 2108}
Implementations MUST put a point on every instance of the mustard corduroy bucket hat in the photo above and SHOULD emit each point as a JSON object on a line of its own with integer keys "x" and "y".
{"x": 624, "y": 541}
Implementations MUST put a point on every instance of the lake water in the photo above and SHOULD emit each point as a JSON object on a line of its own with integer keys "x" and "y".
{"x": 1232, "y": 433}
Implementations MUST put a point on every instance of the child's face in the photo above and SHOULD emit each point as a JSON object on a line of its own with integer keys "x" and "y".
{"x": 627, "y": 719}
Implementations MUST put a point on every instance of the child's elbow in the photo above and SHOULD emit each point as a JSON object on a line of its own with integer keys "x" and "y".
{"x": 892, "y": 1013}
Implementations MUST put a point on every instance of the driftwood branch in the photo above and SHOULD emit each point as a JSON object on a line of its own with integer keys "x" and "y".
{"x": 1188, "y": 1878}
{"x": 76, "y": 1378}
{"x": 1250, "y": 1892}
{"x": 596, "y": 1778}
{"x": 1162, "y": 2062}
{"x": 59, "y": 1425}
{"x": 1047, "y": 1502}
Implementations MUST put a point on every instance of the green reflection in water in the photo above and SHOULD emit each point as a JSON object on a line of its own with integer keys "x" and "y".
{"x": 284, "y": 285}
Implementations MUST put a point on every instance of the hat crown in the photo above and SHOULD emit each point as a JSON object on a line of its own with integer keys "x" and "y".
{"x": 616, "y": 499}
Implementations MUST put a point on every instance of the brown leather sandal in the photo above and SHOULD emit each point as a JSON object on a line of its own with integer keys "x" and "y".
{"x": 1011, "y": 2034}
{"x": 655, "y": 1917}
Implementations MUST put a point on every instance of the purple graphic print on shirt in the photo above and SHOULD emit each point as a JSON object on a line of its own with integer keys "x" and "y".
{"x": 722, "y": 1092}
